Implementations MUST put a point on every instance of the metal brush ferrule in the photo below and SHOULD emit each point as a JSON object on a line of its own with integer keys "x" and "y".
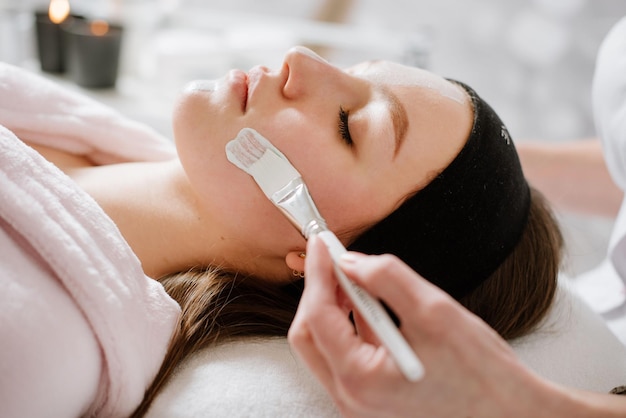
{"x": 295, "y": 201}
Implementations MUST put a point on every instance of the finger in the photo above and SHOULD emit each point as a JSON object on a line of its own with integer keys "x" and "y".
{"x": 320, "y": 294}
{"x": 330, "y": 329}
{"x": 364, "y": 330}
{"x": 303, "y": 344}
{"x": 318, "y": 267}
{"x": 388, "y": 278}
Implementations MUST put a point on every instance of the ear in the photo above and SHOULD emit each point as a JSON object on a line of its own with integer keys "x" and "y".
{"x": 295, "y": 260}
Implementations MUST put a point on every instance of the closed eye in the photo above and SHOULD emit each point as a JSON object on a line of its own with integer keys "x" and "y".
{"x": 344, "y": 128}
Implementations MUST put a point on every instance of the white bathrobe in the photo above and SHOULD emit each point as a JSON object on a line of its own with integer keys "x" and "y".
{"x": 83, "y": 331}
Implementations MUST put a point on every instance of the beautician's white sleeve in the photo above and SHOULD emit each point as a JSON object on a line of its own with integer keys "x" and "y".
{"x": 609, "y": 100}
{"x": 609, "y": 107}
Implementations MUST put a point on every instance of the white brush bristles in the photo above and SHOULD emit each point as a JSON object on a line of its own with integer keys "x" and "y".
{"x": 246, "y": 148}
{"x": 255, "y": 155}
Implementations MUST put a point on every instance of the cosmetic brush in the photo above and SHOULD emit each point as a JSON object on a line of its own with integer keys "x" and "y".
{"x": 284, "y": 187}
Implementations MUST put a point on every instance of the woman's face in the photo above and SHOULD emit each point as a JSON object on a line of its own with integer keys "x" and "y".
{"x": 362, "y": 138}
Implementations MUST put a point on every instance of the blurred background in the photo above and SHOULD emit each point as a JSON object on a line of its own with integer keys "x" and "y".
{"x": 533, "y": 60}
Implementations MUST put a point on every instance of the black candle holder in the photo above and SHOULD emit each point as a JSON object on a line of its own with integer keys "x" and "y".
{"x": 92, "y": 58}
{"x": 50, "y": 41}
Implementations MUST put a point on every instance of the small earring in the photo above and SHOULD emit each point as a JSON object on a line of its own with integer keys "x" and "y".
{"x": 302, "y": 255}
{"x": 296, "y": 273}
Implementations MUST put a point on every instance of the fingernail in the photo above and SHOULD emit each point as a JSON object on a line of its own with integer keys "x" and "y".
{"x": 312, "y": 239}
{"x": 350, "y": 258}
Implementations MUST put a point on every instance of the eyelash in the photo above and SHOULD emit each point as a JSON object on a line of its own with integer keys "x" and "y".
{"x": 344, "y": 129}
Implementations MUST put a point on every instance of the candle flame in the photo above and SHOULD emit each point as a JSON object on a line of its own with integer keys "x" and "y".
{"x": 99, "y": 27}
{"x": 58, "y": 10}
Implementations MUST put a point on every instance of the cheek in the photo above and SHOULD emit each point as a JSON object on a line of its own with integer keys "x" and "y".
{"x": 222, "y": 190}
{"x": 356, "y": 197}
{"x": 290, "y": 130}
{"x": 347, "y": 203}
{"x": 201, "y": 134}
{"x": 196, "y": 125}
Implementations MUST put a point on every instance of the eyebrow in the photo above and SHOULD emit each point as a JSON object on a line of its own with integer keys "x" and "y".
{"x": 399, "y": 118}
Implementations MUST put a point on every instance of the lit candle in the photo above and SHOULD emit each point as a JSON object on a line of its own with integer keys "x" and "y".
{"x": 49, "y": 36}
{"x": 58, "y": 10}
{"x": 93, "y": 52}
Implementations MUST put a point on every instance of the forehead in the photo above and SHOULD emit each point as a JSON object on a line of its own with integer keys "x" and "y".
{"x": 439, "y": 112}
{"x": 392, "y": 74}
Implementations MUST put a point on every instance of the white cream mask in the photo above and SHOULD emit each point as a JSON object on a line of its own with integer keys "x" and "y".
{"x": 201, "y": 85}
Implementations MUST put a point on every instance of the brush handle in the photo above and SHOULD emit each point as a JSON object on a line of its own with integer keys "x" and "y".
{"x": 375, "y": 315}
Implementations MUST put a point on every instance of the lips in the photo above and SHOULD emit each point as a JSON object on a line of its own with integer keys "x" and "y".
{"x": 244, "y": 104}
{"x": 239, "y": 81}
{"x": 254, "y": 77}
{"x": 245, "y": 85}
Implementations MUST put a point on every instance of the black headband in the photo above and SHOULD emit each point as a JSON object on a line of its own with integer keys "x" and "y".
{"x": 457, "y": 230}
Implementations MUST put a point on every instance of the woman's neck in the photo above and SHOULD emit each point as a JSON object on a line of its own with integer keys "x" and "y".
{"x": 161, "y": 218}
{"x": 156, "y": 213}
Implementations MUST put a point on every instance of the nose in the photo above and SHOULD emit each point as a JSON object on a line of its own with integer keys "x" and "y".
{"x": 307, "y": 72}
{"x": 301, "y": 51}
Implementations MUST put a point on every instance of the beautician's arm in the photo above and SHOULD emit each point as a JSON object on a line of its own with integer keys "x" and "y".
{"x": 572, "y": 175}
{"x": 470, "y": 370}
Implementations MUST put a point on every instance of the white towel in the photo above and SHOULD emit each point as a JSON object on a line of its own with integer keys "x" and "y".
{"x": 262, "y": 377}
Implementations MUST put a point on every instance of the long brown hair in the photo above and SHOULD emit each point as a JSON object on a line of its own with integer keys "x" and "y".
{"x": 217, "y": 306}
{"x": 519, "y": 294}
